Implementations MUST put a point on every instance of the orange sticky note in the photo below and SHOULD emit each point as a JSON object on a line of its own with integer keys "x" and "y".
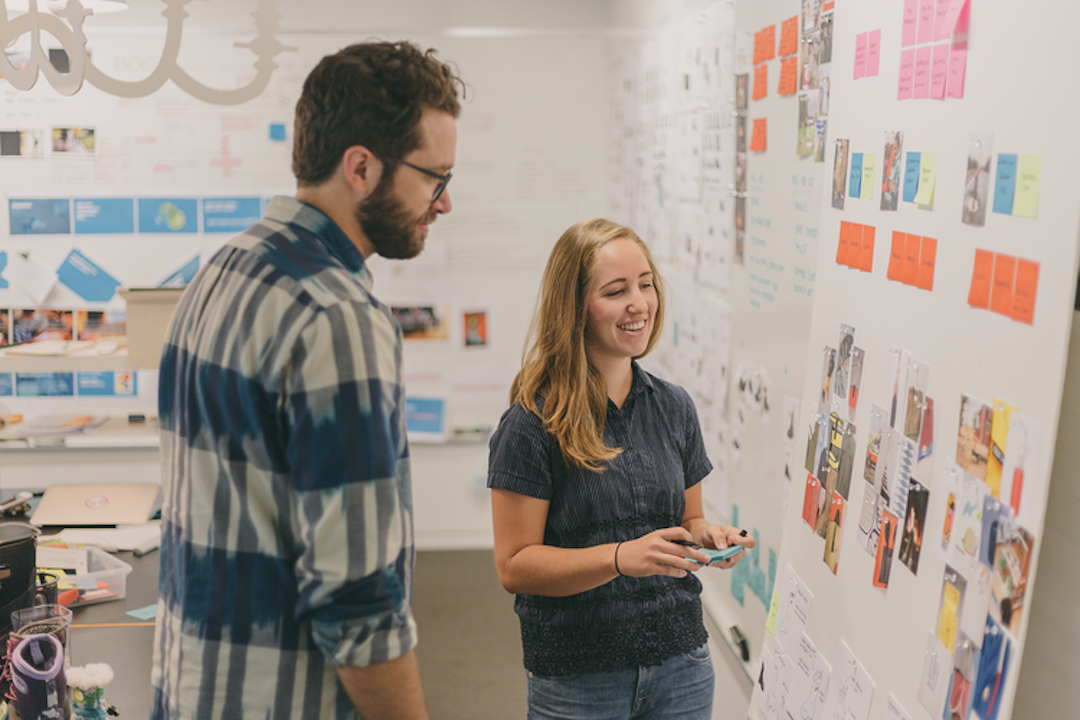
{"x": 927, "y": 255}
{"x": 768, "y": 40}
{"x": 1027, "y": 282}
{"x": 854, "y": 258}
{"x": 789, "y": 76}
{"x": 896, "y": 255}
{"x": 979, "y": 295}
{"x": 1001, "y": 298}
{"x": 843, "y": 246}
{"x": 909, "y": 273}
{"x": 757, "y": 138}
{"x": 866, "y": 259}
{"x": 789, "y": 36}
{"x": 761, "y": 82}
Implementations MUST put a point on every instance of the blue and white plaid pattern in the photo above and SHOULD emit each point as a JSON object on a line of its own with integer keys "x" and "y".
{"x": 287, "y": 537}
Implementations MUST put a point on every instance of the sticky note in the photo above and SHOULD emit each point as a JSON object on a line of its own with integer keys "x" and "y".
{"x": 789, "y": 36}
{"x": 927, "y": 179}
{"x": 911, "y": 176}
{"x": 947, "y": 18}
{"x": 855, "y": 184}
{"x": 911, "y": 22}
{"x": 866, "y": 189}
{"x": 1005, "y": 184}
{"x": 1001, "y": 295}
{"x": 148, "y": 612}
{"x": 926, "y": 21}
{"x": 789, "y": 76}
{"x": 757, "y": 138}
{"x": 896, "y": 255}
{"x": 843, "y": 246}
{"x": 909, "y": 272}
{"x": 768, "y": 41}
{"x": 761, "y": 82}
{"x": 759, "y": 48}
{"x": 860, "y": 56}
{"x": 1027, "y": 282}
{"x": 866, "y": 257}
{"x": 873, "y": 53}
{"x": 957, "y": 67}
{"x": 981, "y": 274}
{"x": 924, "y": 59}
{"x": 774, "y": 611}
{"x": 1028, "y": 177}
{"x": 927, "y": 256}
{"x": 939, "y": 71}
{"x": 907, "y": 75}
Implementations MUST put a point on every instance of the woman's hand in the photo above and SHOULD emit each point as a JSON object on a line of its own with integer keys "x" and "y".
{"x": 657, "y": 554}
{"x": 719, "y": 537}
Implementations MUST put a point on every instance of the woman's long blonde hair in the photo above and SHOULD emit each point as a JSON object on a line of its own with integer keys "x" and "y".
{"x": 555, "y": 368}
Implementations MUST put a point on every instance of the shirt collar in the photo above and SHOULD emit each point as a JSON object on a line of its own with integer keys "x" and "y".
{"x": 291, "y": 211}
{"x": 642, "y": 380}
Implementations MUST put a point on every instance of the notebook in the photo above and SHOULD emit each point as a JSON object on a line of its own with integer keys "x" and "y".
{"x": 96, "y": 504}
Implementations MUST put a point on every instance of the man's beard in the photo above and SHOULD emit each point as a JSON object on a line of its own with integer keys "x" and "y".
{"x": 389, "y": 226}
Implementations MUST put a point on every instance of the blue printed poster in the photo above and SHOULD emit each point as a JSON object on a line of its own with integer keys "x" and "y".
{"x": 168, "y": 215}
{"x": 183, "y": 276}
{"x": 425, "y": 417}
{"x": 230, "y": 215}
{"x": 54, "y": 384}
{"x": 99, "y": 216}
{"x": 106, "y": 383}
{"x": 6, "y": 387}
{"x": 86, "y": 279}
{"x": 39, "y": 216}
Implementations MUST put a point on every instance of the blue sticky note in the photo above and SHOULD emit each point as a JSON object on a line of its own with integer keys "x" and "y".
{"x": 277, "y": 132}
{"x": 39, "y": 216}
{"x": 3, "y": 266}
{"x": 855, "y": 185}
{"x": 911, "y": 176}
{"x": 168, "y": 215}
{"x": 144, "y": 613}
{"x": 86, "y": 279}
{"x": 1005, "y": 186}
{"x": 230, "y": 214}
{"x": 183, "y": 276}
{"x": 99, "y": 216}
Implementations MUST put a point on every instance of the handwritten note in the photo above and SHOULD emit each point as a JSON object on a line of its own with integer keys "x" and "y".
{"x": 789, "y": 36}
{"x": 855, "y": 184}
{"x": 860, "y": 56}
{"x": 761, "y": 82}
{"x": 939, "y": 71}
{"x": 843, "y": 247}
{"x": 948, "y": 18}
{"x": 927, "y": 179}
{"x": 909, "y": 272}
{"x": 911, "y": 22}
{"x": 1005, "y": 184}
{"x": 757, "y": 138}
{"x": 981, "y": 275}
{"x": 926, "y": 21}
{"x": 866, "y": 191}
{"x": 768, "y": 39}
{"x": 1024, "y": 289}
{"x": 789, "y": 76}
{"x": 896, "y": 256}
{"x": 907, "y": 75}
{"x": 866, "y": 257}
{"x": 957, "y": 68}
{"x": 911, "y": 176}
{"x": 873, "y": 53}
{"x": 924, "y": 58}
{"x": 927, "y": 256}
{"x": 1001, "y": 297}
{"x": 1028, "y": 179}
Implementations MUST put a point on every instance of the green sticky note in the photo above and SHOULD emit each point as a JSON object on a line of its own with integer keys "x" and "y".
{"x": 927, "y": 179}
{"x": 867, "y": 190}
{"x": 774, "y": 610}
{"x": 1028, "y": 177}
{"x": 144, "y": 613}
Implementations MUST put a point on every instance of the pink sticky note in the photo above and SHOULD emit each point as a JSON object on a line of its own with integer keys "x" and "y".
{"x": 911, "y": 22}
{"x": 907, "y": 74}
{"x": 939, "y": 71}
{"x": 926, "y": 20}
{"x": 957, "y": 65}
{"x": 860, "y": 55}
{"x": 942, "y": 30}
{"x": 873, "y": 53}
{"x": 924, "y": 58}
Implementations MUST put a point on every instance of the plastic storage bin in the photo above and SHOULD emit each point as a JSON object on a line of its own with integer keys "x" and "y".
{"x": 106, "y": 580}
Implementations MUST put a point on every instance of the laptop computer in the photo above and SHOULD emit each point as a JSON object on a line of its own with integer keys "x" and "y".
{"x": 97, "y": 504}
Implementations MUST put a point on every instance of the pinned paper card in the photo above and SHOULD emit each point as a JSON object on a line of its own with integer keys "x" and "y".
{"x": 873, "y": 53}
{"x": 911, "y": 176}
{"x": 860, "y": 56}
{"x": 896, "y": 256}
{"x": 927, "y": 179}
{"x": 789, "y": 36}
{"x": 906, "y": 86}
{"x": 757, "y": 138}
{"x": 866, "y": 257}
{"x": 957, "y": 67}
{"x": 1005, "y": 184}
{"x": 809, "y": 679}
{"x": 86, "y": 279}
{"x": 909, "y": 273}
{"x": 948, "y": 18}
{"x": 926, "y": 21}
{"x": 789, "y": 76}
{"x": 104, "y": 216}
{"x": 934, "y": 684}
{"x": 855, "y": 184}
{"x": 866, "y": 189}
{"x": 911, "y": 22}
{"x": 768, "y": 43}
{"x": 1001, "y": 297}
{"x": 843, "y": 247}
{"x": 939, "y": 71}
{"x": 851, "y": 688}
{"x": 927, "y": 256}
{"x": 31, "y": 278}
{"x": 1024, "y": 289}
{"x": 981, "y": 277}
{"x": 924, "y": 60}
{"x": 1028, "y": 178}
{"x": 761, "y": 82}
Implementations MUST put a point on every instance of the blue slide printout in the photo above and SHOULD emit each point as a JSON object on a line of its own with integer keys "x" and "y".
{"x": 6, "y": 386}
{"x": 169, "y": 215}
{"x": 102, "y": 216}
{"x": 47, "y": 384}
{"x": 230, "y": 215}
{"x": 106, "y": 383}
{"x": 183, "y": 276}
{"x": 425, "y": 418}
{"x": 86, "y": 279}
{"x": 39, "y": 216}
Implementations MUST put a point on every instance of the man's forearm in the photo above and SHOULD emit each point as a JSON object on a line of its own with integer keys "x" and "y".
{"x": 386, "y": 691}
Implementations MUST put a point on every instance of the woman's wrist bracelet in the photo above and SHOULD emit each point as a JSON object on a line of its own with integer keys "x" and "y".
{"x": 617, "y": 559}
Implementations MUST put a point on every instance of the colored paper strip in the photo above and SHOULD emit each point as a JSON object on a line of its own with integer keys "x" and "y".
{"x": 866, "y": 258}
{"x": 911, "y": 176}
{"x": 981, "y": 274}
{"x": 1028, "y": 179}
{"x": 789, "y": 76}
{"x": 907, "y": 75}
{"x": 761, "y": 82}
{"x": 855, "y": 184}
{"x": 873, "y": 53}
{"x": 1001, "y": 297}
{"x": 843, "y": 246}
{"x": 1024, "y": 289}
{"x": 927, "y": 179}
{"x": 924, "y": 59}
{"x": 926, "y": 21}
{"x": 789, "y": 36}
{"x": 866, "y": 189}
{"x": 768, "y": 39}
{"x": 957, "y": 68}
{"x": 757, "y": 138}
{"x": 939, "y": 71}
{"x": 911, "y": 22}
{"x": 860, "y": 56}
{"x": 909, "y": 273}
{"x": 941, "y": 29}
{"x": 1005, "y": 184}
{"x": 927, "y": 256}
{"x": 896, "y": 256}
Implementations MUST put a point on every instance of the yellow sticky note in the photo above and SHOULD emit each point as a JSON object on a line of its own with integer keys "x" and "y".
{"x": 948, "y": 619}
{"x": 927, "y": 179}
{"x": 999, "y": 435}
{"x": 774, "y": 610}
{"x": 1028, "y": 177}
{"x": 866, "y": 192}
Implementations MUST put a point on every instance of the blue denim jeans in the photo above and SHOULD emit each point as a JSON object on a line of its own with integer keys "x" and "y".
{"x": 680, "y": 688}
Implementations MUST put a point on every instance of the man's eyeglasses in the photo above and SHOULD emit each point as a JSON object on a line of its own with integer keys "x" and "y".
{"x": 444, "y": 180}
